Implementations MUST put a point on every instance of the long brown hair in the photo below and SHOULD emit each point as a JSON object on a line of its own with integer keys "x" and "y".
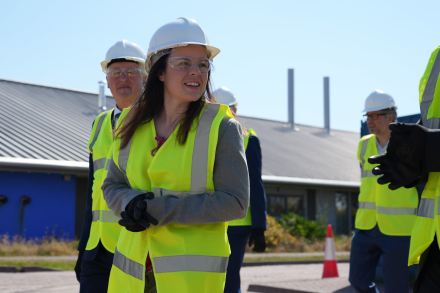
{"x": 151, "y": 104}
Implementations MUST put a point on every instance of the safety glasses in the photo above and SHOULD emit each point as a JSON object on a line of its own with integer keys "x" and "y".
{"x": 374, "y": 116}
{"x": 129, "y": 72}
{"x": 185, "y": 64}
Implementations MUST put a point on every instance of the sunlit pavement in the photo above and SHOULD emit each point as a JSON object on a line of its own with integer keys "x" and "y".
{"x": 300, "y": 277}
{"x": 306, "y": 278}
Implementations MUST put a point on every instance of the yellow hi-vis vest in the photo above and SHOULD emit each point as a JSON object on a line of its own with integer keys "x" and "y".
{"x": 246, "y": 221}
{"x": 394, "y": 211}
{"x": 185, "y": 258}
{"x": 105, "y": 225}
{"x": 428, "y": 219}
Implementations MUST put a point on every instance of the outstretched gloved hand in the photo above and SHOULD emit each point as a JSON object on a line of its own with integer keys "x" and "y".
{"x": 135, "y": 218}
{"x": 402, "y": 165}
{"x": 257, "y": 237}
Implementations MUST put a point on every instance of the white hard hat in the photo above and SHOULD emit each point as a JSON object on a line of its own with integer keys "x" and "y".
{"x": 379, "y": 100}
{"x": 224, "y": 96}
{"x": 178, "y": 33}
{"x": 124, "y": 49}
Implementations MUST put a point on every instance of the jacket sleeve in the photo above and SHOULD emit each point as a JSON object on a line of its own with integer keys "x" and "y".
{"x": 257, "y": 193}
{"x": 87, "y": 222}
{"x": 231, "y": 182}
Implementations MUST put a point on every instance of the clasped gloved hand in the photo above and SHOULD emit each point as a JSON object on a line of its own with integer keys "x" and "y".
{"x": 257, "y": 237}
{"x": 135, "y": 217}
{"x": 402, "y": 165}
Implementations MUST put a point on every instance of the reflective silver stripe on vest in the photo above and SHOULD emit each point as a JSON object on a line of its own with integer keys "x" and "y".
{"x": 128, "y": 266}
{"x": 158, "y": 192}
{"x": 99, "y": 164}
{"x": 107, "y": 216}
{"x": 428, "y": 96}
{"x": 426, "y": 208}
{"x": 367, "y": 173}
{"x": 123, "y": 157}
{"x": 95, "y": 216}
{"x": 364, "y": 173}
{"x": 367, "y": 205}
{"x": 397, "y": 211}
{"x": 190, "y": 263}
{"x": 199, "y": 167}
{"x": 363, "y": 151}
{"x": 98, "y": 129}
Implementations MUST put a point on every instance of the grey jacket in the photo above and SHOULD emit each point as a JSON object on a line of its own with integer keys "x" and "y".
{"x": 231, "y": 183}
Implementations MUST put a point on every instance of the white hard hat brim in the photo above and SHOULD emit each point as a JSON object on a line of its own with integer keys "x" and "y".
{"x": 377, "y": 109}
{"x": 130, "y": 58}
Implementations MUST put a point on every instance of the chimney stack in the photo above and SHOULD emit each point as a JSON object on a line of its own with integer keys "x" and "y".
{"x": 290, "y": 98}
{"x": 327, "y": 104}
{"x": 102, "y": 101}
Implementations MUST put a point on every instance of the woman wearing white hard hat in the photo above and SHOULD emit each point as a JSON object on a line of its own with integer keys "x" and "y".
{"x": 178, "y": 163}
{"x": 252, "y": 227}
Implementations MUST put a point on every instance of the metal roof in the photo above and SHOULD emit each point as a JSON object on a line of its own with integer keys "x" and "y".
{"x": 42, "y": 125}
{"x": 309, "y": 153}
{"x": 48, "y": 123}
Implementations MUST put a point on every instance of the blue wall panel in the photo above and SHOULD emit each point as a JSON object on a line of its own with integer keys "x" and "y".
{"x": 51, "y": 210}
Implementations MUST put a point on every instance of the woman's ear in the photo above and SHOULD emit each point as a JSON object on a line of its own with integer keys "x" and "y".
{"x": 161, "y": 76}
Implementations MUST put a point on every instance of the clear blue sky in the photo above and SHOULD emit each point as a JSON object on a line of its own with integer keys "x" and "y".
{"x": 360, "y": 45}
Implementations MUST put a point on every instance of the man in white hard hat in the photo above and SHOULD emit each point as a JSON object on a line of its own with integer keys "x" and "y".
{"x": 413, "y": 158}
{"x": 251, "y": 227}
{"x": 124, "y": 67}
{"x": 384, "y": 219}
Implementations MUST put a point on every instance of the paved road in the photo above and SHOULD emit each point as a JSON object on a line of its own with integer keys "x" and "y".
{"x": 300, "y": 277}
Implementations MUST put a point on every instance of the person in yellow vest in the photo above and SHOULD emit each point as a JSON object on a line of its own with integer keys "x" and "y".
{"x": 384, "y": 219}
{"x": 126, "y": 75}
{"x": 413, "y": 158}
{"x": 252, "y": 227}
{"x": 178, "y": 170}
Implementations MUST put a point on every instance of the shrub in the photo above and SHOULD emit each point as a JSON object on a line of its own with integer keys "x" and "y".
{"x": 277, "y": 236}
{"x": 300, "y": 227}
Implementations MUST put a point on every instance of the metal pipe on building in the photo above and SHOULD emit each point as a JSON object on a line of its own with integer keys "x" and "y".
{"x": 102, "y": 101}
{"x": 290, "y": 97}
{"x": 327, "y": 104}
{"x": 3, "y": 200}
{"x": 24, "y": 201}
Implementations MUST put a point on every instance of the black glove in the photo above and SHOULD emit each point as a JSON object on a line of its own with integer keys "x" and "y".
{"x": 137, "y": 211}
{"x": 402, "y": 165}
{"x": 395, "y": 173}
{"x": 407, "y": 143}
{"x": 130, "y": 224}
{"x": 78, "y": 265}
{"x": 257, "y": 237}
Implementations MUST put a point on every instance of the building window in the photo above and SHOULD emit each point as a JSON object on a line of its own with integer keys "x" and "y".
{"x": 346, "y": 208}
{"x": 353, "y": 207}
{"x": 279, "y": 205}
{"x": 341, "y": 213}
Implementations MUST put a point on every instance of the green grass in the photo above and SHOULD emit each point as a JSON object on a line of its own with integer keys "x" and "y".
{"x": 64, "y": 265}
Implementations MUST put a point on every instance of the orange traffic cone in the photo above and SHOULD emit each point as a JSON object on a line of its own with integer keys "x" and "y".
{"x": 330, "y": 262}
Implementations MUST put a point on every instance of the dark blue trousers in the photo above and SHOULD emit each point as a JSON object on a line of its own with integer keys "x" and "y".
{"x": 237, "y": 242}
{"x": 366, "y": 248}
{"x": 95, "y": 270}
